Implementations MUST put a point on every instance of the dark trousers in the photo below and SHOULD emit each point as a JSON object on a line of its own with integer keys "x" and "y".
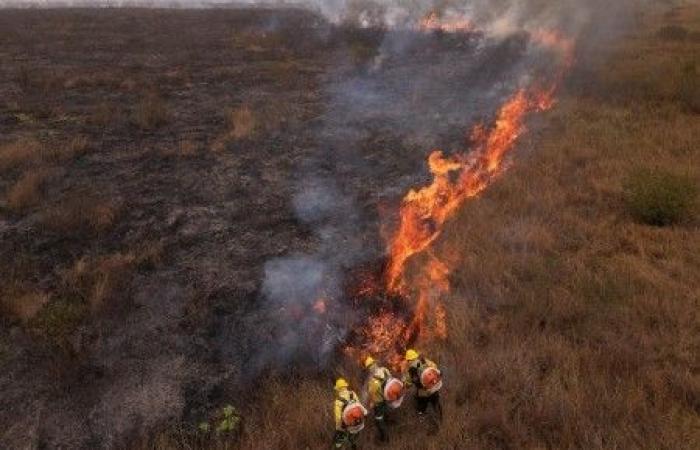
{"x": 380, "y": 411}
{"x": 432, "y": 400}
{"x": 343, "y": 437}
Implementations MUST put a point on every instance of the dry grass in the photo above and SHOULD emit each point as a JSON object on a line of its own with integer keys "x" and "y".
{"x": 151, "y": 112}
{"x": 104, "y": 115}
{"x": 22, "y": 306}
{"x": 19, "y": 152}
{"x": 74, "y": 148}
{"x": 79, "y": 214}
{"x": 29, "y": 151}
{"x": 29, "y": 190}
{"x": 187, "y": 148}
{"x": 97, "y": 281}
{"x": 240, "y": 122}
{"x": 571, "y": 325}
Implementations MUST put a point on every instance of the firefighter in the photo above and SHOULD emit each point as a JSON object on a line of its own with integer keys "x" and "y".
{"x": 385, "y": 393}
{"x": 349, "y": 415}
{"x": 425, "y": 375}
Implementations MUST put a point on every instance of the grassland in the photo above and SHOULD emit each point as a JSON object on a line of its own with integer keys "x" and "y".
{"x": 130, "y": 258}
{"x": 573, "y": 325}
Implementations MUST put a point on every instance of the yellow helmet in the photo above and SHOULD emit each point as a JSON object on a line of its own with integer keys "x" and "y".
{"x": 411, "y": 354}
{"x": 341, "y": 383}
{"x": 368, "y": 362}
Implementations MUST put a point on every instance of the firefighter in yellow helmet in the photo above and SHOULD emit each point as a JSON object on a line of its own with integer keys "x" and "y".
{"x": 385, "y": 393}
{"x": 425, "y": 375}
{"x": 349, "y": 415}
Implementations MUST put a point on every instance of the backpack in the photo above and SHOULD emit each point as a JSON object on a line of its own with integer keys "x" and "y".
{"x": 353, "y": 414}
{"x": 427, "y": 377}
{"x": 392, "y": 389}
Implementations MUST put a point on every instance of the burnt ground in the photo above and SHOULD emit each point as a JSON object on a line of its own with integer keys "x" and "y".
{"x": 117, "y": 348}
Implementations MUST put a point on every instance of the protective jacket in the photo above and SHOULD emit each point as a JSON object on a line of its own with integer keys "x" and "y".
{"x": 412, "y": 377}
{"x": 378, "y": 378}
{"x": 342, "y": 399}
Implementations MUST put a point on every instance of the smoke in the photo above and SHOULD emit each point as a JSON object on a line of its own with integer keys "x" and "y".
{"x": 416, "y": 92}
{"x": 302, "y": 292}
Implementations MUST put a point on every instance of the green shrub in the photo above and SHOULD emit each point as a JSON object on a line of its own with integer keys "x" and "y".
{"x": 225, "y": 422}
{"x": 660, "y": 198}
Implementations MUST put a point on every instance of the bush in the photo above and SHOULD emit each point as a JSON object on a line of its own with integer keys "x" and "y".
{"x": 660, "y": 198}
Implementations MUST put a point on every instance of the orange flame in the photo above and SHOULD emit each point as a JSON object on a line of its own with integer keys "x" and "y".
{"x": 423, "y": 212}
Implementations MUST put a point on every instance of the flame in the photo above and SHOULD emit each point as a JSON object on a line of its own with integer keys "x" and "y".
{"x": 424, "y": 211}
{"x": 449, "y": 24}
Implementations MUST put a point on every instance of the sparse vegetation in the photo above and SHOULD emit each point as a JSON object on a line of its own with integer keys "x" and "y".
{"x": 105, "y": 115}
{"x": 28, "y": 190}
{"x": 151, "y": 112}
{"x": 660, "y": 198}
{"x": 96, "y": 281}
{"x": 80, "y": 214}
{"x": 241, "y": 122}
{"x": 22, "y": 306}
{"x": 187, "y": 148}
{"x": 19, "y": 152}
{"x": 74, "y": 148}
{"x": 58, "y": 320}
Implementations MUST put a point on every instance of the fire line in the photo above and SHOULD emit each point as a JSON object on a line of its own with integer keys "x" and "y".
{"x": 424, "y": 211}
